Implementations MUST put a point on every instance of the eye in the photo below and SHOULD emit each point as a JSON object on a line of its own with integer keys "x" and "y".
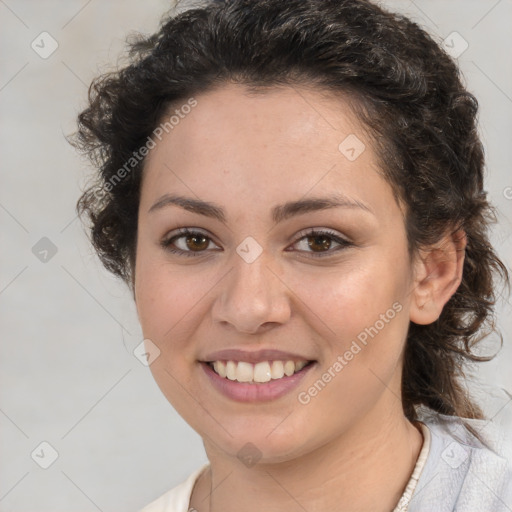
{"x": 320, "y": 243}
{"x": 188, "y": 242}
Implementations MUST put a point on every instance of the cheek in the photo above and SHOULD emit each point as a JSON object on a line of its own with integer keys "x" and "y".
{"x": 165, "y": 303}
{"x": 354, "y": 296}
{"x": 364, "y": 314}
{"x": 168, "y": 298}
{"x": 169, "y": 303}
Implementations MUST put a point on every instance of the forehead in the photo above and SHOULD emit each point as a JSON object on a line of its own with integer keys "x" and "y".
{"x": 236, "y": 144}
{"x": 261, "y": 118}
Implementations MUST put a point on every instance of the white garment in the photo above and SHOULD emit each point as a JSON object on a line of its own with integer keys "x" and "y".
{"x": 456, "y": 472}
{"x": 177, "y": 499}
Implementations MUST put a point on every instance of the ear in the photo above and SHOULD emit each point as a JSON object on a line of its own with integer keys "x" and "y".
{"x": 437, "y": 275}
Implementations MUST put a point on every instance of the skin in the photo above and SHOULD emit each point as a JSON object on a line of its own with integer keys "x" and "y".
{"x": 247, "y": 153}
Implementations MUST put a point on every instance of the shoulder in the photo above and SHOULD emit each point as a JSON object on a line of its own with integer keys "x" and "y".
{"x": 464, "y": 472}
{"x": 178, "y": 498}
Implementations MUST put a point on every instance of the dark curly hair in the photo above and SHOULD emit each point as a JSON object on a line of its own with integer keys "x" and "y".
{"x": 403, "y": 87}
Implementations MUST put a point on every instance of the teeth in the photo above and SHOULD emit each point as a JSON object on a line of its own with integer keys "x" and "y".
{"x": 289, "y": 368}
{"x": 244, "y": 372}
{"x": 277, "y": 371}
{"x": 260, "y": 372}
{"x": 299, "y": 365}
{"x": 220, "y": 368}
{"x": 231, "y": 370}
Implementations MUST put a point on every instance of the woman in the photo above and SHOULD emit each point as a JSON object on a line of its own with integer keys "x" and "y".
{"x": 294, "y": 192}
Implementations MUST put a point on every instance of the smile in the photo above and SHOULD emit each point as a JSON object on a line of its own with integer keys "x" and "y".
{"x": 259, "y": 373}
{"x": 261, "y": 381}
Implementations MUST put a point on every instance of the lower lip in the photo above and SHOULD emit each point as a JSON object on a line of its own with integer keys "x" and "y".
{"x": 259, "y": 392}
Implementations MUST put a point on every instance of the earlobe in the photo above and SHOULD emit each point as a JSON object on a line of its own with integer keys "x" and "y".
{"x": 438, "y": 274}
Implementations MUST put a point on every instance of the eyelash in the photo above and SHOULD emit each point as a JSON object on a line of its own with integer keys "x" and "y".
{"x": 183, "y": 232}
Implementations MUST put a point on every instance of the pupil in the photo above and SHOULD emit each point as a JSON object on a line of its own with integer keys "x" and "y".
{"x": 319, "y": 243}
{"x": 197, "y": 243}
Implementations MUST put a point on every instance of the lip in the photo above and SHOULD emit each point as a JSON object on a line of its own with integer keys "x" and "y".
{"x": 260, "y": 392}
{"x": 253, "y": 356}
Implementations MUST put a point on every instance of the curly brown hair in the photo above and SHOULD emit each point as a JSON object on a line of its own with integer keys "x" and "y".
{"x": 405, "y": 90}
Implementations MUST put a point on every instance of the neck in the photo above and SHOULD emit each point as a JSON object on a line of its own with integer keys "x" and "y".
{"x": 366, "y": 468}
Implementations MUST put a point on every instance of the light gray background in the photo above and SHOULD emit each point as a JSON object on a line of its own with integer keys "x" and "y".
{"x": 68, "y": 375}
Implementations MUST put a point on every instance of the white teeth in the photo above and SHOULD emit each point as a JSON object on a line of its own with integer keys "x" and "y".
{"x": 231, "y": 370}
{"x": 264, "y": 371}
{"x": 277, "y": 371}
{"x": 220, "y": 368}
{"x": 289, "y": 368}
{"x": 244, "y": 372}
{"x": 299, "y": 365}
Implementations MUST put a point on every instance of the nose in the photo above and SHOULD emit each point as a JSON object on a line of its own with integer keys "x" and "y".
{"x": 252, "y": 298}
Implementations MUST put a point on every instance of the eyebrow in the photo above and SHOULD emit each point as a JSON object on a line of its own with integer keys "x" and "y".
{"x": 279, "y": 213}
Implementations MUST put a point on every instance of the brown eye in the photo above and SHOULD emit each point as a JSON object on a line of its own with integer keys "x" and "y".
{"x": 189, "y": 243}
{"x": 197, "y": 242}
{"x": 319, "y": 243}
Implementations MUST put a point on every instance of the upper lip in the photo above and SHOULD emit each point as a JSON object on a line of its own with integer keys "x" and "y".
{"x": 253, "y": 356}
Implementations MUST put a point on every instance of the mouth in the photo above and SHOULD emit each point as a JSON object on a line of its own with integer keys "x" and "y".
{"x": 257, "y": 373}
{"x": 260, "y": 380}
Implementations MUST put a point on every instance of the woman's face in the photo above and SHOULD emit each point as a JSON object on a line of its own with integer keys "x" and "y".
{"x": 267, "y": 235}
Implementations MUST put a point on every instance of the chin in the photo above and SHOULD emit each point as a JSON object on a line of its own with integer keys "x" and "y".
{"x": 268, "y": 440}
